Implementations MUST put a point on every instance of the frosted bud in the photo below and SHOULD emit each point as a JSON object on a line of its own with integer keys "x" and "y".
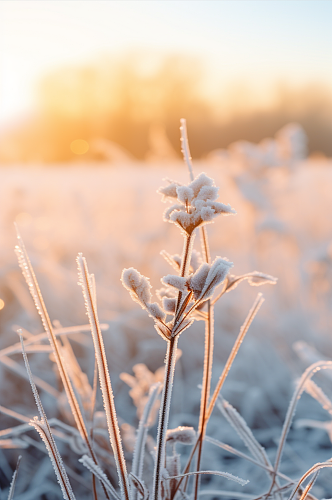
{"x": 197, "y": 280}
{"x": 183, "y": 435}
{"x": 168, "y": 191}
{"x": 185, "y": 194}
{"x": 155, "y": 311}
{"x": 137, "y": 285}
{"x": 175, "y": 281}
{"x": 208, "y": 193}
{"x": 200, "y": 181}
{"x": 169, "y": 304}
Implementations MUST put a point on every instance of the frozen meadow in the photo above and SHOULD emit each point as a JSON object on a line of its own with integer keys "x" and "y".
{"x": 112, "y": 213}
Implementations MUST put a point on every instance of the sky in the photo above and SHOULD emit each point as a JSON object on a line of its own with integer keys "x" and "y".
{"x": 258, "y": 44}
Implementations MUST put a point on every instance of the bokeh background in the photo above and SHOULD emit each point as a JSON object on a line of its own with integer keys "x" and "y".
{"x": 91, "y": 97}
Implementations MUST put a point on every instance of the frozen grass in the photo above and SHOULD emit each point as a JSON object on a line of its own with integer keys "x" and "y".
{"x": 190, "y": 293}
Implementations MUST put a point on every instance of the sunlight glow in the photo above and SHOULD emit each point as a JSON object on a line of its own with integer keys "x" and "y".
{"x": 79, "y": 147}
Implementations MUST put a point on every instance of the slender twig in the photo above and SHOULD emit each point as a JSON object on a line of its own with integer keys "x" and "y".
{"x": 209, "y": 323}
{"x": 315, "y": 468}
{"x": 240, "y": 454}
{"x": 245, "y": 327}
{"x": 206, "y": 385}
{"x": 227, "y": 475}
{"x": 164, "y": 414}
{"x": 185, "y": 147}
{"x": 169, "y": 374}
{"x": 105, "y": 382}
{"x": 14, "y": 479}
{"x": 142, "y": 432}
{"x": 309, "y": 486}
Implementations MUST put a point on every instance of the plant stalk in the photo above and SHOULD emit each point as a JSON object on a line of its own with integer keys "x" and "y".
{"x": 207, "y": 370}
{"x": 168, "y": 379}
{"x": 164, "y": 415}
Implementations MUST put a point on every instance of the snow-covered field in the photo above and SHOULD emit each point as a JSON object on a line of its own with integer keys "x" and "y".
{"x": 113, "y": 215}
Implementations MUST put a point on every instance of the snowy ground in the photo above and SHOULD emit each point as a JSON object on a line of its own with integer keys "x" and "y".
{"x": 113, "y": 215}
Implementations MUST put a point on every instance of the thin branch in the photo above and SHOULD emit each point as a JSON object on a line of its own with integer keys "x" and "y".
{"x": 14, "y": 479}
{"x": 105, "y": 382}
{"x": 164, "y": 415}
{"x": 245, "y": 327}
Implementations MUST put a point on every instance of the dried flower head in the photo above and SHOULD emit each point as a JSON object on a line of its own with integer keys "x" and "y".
{"x": 196, "y": 203}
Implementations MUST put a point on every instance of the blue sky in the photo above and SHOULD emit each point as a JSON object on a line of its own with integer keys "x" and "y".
{"x": 240, "y": 42}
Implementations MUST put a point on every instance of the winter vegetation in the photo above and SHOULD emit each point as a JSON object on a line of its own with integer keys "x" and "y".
{"x": 207, "y": 414}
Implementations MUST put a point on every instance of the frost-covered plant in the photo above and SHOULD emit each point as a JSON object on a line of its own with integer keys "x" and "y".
{"x": 186, "y": 296}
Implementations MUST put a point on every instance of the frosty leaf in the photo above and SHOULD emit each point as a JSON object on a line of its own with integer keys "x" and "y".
{"x": 156, "y": 312}
{"x": 217, "y": 274}
{"x": 185, "y": 194}
{"x": 140, "y": 486}
{"x": 208, "y": 193}
{"x": 173, "y": 260}
{"x": 163, "y": 331}
{"x": 169, "y": 305}
{"x": 175, "y": 281}
{"x": 170, "y": 210}
{"x": 221, "y": 208}
{"x": 183, "y": 435}
{"x": 168, "y": 191}
{"x": 182, "y": 326}
{"x": 137, "y": 285}
{"x": 227, "y": 475}
{"x": 197, "y": 184}
{"x": 197, "y": 280}
{"x": 255, "y": 278}
{"x": 100, "y": 474}
{"x": 207, "y": 214}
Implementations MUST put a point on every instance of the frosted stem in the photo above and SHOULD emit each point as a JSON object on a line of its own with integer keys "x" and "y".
{"x": 104, "y": 377}
{"x": 164, "y": 415}
{"x": 206, "y": 386}
{"x": 185, "y": 147}
{"x": 142, "y": 432}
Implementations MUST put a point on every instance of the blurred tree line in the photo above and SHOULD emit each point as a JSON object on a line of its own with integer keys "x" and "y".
{"x": 123, "y": 102}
